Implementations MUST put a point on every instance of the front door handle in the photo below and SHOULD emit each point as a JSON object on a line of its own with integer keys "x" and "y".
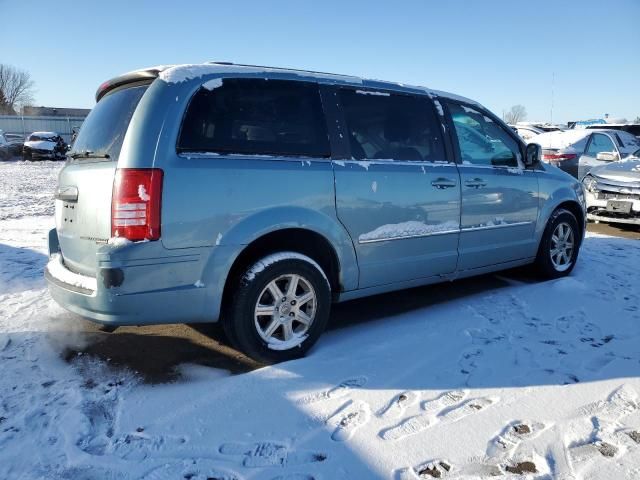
{"x": 476, "y": 183}
{"x": 442, "y": 183}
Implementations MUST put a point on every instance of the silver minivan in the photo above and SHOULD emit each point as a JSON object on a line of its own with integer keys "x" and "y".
{"x": 259, "y": 196}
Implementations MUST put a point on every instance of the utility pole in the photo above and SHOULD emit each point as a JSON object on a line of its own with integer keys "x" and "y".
{"x": 553, "y": 81}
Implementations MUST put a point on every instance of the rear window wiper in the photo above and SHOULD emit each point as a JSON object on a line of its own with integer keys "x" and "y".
{"x": 88, "y": 154}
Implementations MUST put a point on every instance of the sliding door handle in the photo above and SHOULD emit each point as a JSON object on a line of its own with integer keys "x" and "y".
{"x": 442, "y": 183}
{"x": 475, "y": 183}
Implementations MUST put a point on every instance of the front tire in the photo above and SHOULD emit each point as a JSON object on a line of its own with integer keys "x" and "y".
{"x": 279, "y": 308}
{"x": 559, "y": 247}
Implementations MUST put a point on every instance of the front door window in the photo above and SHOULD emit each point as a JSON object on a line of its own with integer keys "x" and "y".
{"x": 481, "y": 140}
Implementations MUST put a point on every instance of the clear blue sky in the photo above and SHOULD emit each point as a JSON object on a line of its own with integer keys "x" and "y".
{"x": 499, "y": 52}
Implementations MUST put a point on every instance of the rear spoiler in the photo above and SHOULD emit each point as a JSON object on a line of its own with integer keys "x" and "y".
{"x": 131, "y": 77}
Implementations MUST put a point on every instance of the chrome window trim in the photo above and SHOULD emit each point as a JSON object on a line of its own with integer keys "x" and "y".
{"x": 402, "y": 163}
{"x": 491, "y": 227}
{"x": 495, "y": 167}
{"x": 404, "y": 237}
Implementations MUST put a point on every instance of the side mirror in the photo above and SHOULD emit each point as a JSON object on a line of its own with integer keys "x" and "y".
{"x": 533, "y": 155}
{"x": 607, "y": 156}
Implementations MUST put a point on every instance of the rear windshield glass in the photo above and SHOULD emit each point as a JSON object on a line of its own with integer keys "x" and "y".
{"x": 633, "y": 130}
{"x": 256, "y": 116}
{"x": 103, "y": 131}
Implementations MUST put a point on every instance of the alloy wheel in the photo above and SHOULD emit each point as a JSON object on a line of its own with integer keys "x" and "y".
{"x": 285, "y": 311}
{"x": 562, "y": 245}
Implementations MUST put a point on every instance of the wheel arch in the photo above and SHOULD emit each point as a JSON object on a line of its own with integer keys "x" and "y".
{"x": 561, "y": 196}
{"x": 301, "y": 240}
{"x": 576, "y": 209}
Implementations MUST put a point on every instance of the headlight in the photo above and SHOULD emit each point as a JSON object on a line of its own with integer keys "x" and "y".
{"x": 590, "y": 183}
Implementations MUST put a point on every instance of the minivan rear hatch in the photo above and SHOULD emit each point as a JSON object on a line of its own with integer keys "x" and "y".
{"x": 83, "y": 196}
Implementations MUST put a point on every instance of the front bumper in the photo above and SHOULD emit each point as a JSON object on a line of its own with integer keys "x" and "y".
{"x": 135, "y": 286}
{"x": 46, "y": 154}
{"x": 599, "y": 209}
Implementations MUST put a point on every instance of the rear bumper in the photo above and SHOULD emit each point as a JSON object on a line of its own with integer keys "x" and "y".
{"x": 136, "y": 286}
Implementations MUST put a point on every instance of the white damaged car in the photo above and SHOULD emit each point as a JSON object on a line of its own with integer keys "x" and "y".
{"x": 612, "y": 192}
{"x": 44, "y": 146}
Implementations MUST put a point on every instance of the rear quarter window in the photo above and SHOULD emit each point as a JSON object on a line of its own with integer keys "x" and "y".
{"x": 255, "y": 116}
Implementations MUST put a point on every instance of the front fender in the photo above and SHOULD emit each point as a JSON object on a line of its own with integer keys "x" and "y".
{"x": 556, "y": 188}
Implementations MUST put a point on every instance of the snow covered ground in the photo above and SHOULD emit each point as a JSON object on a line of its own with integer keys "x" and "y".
{"x": 530, "y": 380}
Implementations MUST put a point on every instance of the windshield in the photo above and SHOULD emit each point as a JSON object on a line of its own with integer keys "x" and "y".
{"x": 103, "y": 131}
{"x": 38, "y": 138}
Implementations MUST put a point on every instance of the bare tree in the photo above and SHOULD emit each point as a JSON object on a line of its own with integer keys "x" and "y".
{"x": 4, "y": 108}
{"x": 16, "y": 88}
{"x": 637, "y": 120}
{"x": 516, "y": 114}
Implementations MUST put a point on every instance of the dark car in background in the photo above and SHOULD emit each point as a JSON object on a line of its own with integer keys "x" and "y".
{"x": 5, "y": 149}
{"x": 16, "y": 143}
{"x": 44, "y": 146}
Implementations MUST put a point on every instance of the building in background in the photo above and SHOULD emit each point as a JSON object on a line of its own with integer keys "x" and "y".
{"x": 45, "y": 119}
{"x": 55, "y": 112}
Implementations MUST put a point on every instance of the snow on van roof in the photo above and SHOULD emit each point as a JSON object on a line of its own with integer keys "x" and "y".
{"x": 182, "y": 73}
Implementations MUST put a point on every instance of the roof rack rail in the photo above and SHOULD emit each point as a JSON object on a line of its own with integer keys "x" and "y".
{"x": 282, "y": 68}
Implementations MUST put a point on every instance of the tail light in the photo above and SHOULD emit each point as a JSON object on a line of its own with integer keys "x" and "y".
{"x": 135, "y": 205}
{"x": 558, "y": 157}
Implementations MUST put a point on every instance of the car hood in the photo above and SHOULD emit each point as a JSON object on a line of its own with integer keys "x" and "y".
{"x": 622, "y": 171}
{"x": 41, "y": 145}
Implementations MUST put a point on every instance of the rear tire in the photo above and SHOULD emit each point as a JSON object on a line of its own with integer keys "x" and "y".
{"x": 559, "y": 246}
{"x": 279, "y": 308}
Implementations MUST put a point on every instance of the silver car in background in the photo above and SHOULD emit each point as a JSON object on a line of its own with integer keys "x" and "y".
{"x": 578, "y": 151}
